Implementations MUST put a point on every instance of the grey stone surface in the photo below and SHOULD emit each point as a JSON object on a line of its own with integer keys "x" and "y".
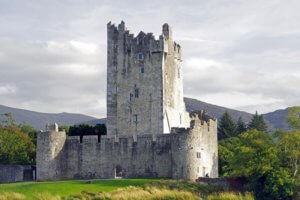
{"x": 151, "y": 68}
{"x": 149, "y": 132}
{"x": 16, "y": 173}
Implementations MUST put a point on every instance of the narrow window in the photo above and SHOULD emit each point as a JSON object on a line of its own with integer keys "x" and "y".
{"x": 198, "y": 154}
{"x": 180, "y": 118}
{"x": 140, "y": 56}
{"x": 198, "y": 170}
{"x": 135, "y": 118}
{"x": 130, "y": 97}
{"x": 142, "y": 70}
{"x": 136, "y": 92}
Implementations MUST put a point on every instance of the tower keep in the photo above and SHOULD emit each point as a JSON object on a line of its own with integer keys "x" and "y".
{"x": 144, "y": 83}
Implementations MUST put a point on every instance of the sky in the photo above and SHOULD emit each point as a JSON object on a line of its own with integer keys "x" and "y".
{"x": 239, "y": 54}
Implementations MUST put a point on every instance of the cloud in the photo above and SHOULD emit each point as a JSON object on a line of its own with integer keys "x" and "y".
{"x": 7, "y": 89}
{"x": 240, "y": 54}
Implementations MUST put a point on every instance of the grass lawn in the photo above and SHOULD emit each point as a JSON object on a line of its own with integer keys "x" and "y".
{"x": 63, "y": 188}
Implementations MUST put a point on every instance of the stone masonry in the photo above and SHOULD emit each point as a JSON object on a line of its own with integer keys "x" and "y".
{"x": 150, "y": 134}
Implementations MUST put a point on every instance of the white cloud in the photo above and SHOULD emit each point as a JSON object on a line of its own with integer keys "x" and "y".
{"x": 7, "y": 89}
{"x": 241, "y": 54}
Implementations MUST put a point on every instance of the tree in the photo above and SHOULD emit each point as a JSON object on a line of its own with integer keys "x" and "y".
{"x": 227, "y": 127}
{"x": 65, "y": 128}
{"x": 8, "y": 119}
{"x": 15, "y": 146}
{"x": 255, "y": 156}
{"x": 100, "y": 129}
{"x": 257, "y": 122}
{"x": 30, "y": 131}
{"x": 293, "y": 117}
{"x": 289, "y": 144}
{"x": 241, "y": 126}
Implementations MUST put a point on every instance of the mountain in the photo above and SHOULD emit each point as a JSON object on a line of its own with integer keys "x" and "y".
{"x": 214, "y": 110}
{"x": 274, "y": 120}
{"x": 39, "y": 120}
{"x": 277, "y": 119}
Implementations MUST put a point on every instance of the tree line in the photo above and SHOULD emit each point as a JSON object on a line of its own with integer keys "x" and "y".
{"x": 269, "y": 162}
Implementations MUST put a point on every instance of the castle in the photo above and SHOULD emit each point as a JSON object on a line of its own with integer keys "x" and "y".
{"x": 149, "y": 131}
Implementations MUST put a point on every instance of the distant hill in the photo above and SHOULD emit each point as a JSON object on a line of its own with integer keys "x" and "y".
{"x": 274, "y": 120}
{"x": 277, "y": 119}
{"x": 38, "y": 120}
{"x": 214, "y": 110}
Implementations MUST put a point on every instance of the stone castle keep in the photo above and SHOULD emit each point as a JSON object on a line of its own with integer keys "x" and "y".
{"x": 149, "y": 131}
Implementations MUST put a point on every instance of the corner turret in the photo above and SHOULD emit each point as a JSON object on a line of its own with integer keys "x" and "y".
{"x": 167, "y": 31}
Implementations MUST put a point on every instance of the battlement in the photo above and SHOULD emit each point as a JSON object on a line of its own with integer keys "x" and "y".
{"x": 144, "y": 42}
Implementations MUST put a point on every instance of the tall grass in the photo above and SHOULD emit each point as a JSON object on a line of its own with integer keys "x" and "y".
{"x": 137, "y": 193}
{"x": 12, "y": 196}
{"x": 230, "y": 196}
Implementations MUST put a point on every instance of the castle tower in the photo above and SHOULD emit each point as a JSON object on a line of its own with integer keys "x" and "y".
{"x": 144, "y": 83}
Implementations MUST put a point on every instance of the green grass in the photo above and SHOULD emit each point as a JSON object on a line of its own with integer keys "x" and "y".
{"x": 65, "y": 188}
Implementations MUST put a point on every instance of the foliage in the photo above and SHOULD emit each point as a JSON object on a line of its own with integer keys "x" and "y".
{"x": 227, "y": 127}
{"x": 289, "y": 145}
{"x": 64, "y": 127}
{"x": 255, "y": 155}
{"x": 276, "y": 184}
{"x": 15, "y": 146}
{"x": 8, "y": 120}
{"x": 257, "y": 122}
{"x": 16, "y": 142}
{"x": 30, "y": 131}
{"x": 293, "y": 117}
{"x": 240, "y": 126}
{"x": 85, "y": 129}
{"x": 226, "y": 151}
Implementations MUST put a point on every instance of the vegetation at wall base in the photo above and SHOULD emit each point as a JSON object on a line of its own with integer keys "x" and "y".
{"x": 118, "y": 189}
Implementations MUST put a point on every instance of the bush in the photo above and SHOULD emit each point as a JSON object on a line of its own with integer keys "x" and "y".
{"x": 15, "y": 146}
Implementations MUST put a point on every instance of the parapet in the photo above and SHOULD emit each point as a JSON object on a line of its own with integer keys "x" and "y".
{"x": 52, "y": 127}
{"x": 144, "y": 41}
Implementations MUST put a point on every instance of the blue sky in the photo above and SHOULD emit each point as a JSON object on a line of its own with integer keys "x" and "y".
{"x": 236, "y": 53}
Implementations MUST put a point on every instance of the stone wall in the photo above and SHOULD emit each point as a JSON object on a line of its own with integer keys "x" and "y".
{"x": 144, "y": 82}
{"x": 16, "y": 173}
{"x": 171, "y": 155}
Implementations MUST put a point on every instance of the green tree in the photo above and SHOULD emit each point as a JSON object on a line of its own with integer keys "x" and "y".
{"x": 293, "y": 117}
{"x": 30, "y": 131}
{"x": 15, "y": 146}
{"x": 227, "y": 127}
{"x": 255, "y": 156}
{"x": 289, "y": 144}
{"x": 8, "y": 119}
{"x": 240, "y": 126}
{"x": 64, "y": 127}
{"x": 257, "y": 122}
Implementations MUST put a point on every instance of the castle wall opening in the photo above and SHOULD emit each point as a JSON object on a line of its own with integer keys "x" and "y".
{"x": 119, "y": 171}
